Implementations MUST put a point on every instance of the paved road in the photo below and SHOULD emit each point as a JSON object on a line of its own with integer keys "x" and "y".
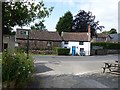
{"x": 73, "y": 72}
{"x": 57, "y": 65}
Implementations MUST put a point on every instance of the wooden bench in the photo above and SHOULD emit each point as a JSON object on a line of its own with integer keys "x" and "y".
{"x": 110, "y": 66}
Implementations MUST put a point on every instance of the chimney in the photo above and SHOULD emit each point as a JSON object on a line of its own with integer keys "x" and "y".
{"x": 62, "y": 34}
{"x": 89, "y": 28}
{"x": 89, "y": 33}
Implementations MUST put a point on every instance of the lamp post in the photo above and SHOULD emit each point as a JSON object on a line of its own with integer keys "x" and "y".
{"x": 27, "y": 33}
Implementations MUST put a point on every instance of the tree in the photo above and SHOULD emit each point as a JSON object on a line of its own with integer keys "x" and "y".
{"x": 112, "y": 31}
{"x": 22, "y": 13}
{"x": 65, "y": 23}
{"x": 82, "y": 20}
{"x": 38, "y": 26}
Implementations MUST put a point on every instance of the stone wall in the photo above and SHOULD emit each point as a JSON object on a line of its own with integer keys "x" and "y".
{"x": 98, "y": 52}
{"x": 113, "y": 51}
{"x": 104, "y": 52}
{"x": 10, "y": 41}
{"x": 38, "y": 45}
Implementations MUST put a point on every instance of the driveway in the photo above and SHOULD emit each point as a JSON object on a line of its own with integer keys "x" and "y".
{"x": 73, "y": 72}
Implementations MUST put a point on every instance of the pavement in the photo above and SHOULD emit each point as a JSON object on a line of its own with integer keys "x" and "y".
{"x": 73, "y": 72}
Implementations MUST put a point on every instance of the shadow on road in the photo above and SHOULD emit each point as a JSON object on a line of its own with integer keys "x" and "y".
{"x": 40, "y": 68}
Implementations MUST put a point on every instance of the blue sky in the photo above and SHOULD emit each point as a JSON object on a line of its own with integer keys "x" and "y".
{"x": 106, "y": 11}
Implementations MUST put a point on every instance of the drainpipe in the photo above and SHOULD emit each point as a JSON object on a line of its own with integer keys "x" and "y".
{"x": 62, "y": 39}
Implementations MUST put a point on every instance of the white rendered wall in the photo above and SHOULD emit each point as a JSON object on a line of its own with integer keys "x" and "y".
{"x": 86, "y": 47}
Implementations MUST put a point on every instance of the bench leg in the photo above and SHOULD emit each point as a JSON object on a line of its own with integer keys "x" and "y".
{"x": 109, "y": 69}
{"x": 103, "y": 70}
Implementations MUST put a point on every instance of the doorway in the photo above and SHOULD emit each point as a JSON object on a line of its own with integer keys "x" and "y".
{"x": 73, "y": 50}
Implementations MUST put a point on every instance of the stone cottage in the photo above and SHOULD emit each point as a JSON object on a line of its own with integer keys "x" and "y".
{"x": 38, "y": 40}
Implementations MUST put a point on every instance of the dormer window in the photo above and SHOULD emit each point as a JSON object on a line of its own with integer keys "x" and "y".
{"x": 81, "y": 43}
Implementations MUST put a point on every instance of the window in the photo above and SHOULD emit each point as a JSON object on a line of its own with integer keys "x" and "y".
{"x": 66, "y": 42}
{"x": 49, "y": 43}
{"x": 81, "y": 49}
{"x": 23, "y": 32}
{"x": 82, "y": 52}
{"x": 81, "y": 43}
{"x": 5, "y": 45}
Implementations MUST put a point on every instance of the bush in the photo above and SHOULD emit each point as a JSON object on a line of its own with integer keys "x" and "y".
{"x": 63, "y": 51}
{"x": 16, "y": 69}
{"x": 106, "y": 45}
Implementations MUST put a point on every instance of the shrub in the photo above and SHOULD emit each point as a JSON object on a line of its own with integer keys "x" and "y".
{"x": 63, "y": 51}
{"x": 16, "y": 69}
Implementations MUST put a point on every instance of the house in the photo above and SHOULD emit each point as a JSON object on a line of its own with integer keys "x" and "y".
{"x": 38, "y": 40}
{"x": 114, "y": 38}
{"x": 77, "y": 42}
{"x": 9, "y": 42}
{"x": 101, "y": 37}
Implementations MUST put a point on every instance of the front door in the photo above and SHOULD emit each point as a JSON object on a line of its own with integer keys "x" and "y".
{"x": 73, "y": 50}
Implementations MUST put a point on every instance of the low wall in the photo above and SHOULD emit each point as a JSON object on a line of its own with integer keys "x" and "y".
{"x": 43, "y": 52}
{"x": 113, "y": 51}
{"x": 104, "y": 52}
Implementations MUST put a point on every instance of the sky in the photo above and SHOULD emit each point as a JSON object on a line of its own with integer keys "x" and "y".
{"x": 106, "y": 11}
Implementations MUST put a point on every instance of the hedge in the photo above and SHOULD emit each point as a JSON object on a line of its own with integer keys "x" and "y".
{"x": 63, "y": 51}
{"x": 107, "y": 45}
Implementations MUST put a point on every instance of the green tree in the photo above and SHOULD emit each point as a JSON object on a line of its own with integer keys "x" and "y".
{"x": 81, "y": 21}
{"x": 22, "y": 14}
{"x": 112, "y": 31}
{"x": 65, "y": 23}
{"x": 38, "y": 26}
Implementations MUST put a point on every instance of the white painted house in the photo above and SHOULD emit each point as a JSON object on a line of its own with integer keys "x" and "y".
{"x": 77, "y": 42}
